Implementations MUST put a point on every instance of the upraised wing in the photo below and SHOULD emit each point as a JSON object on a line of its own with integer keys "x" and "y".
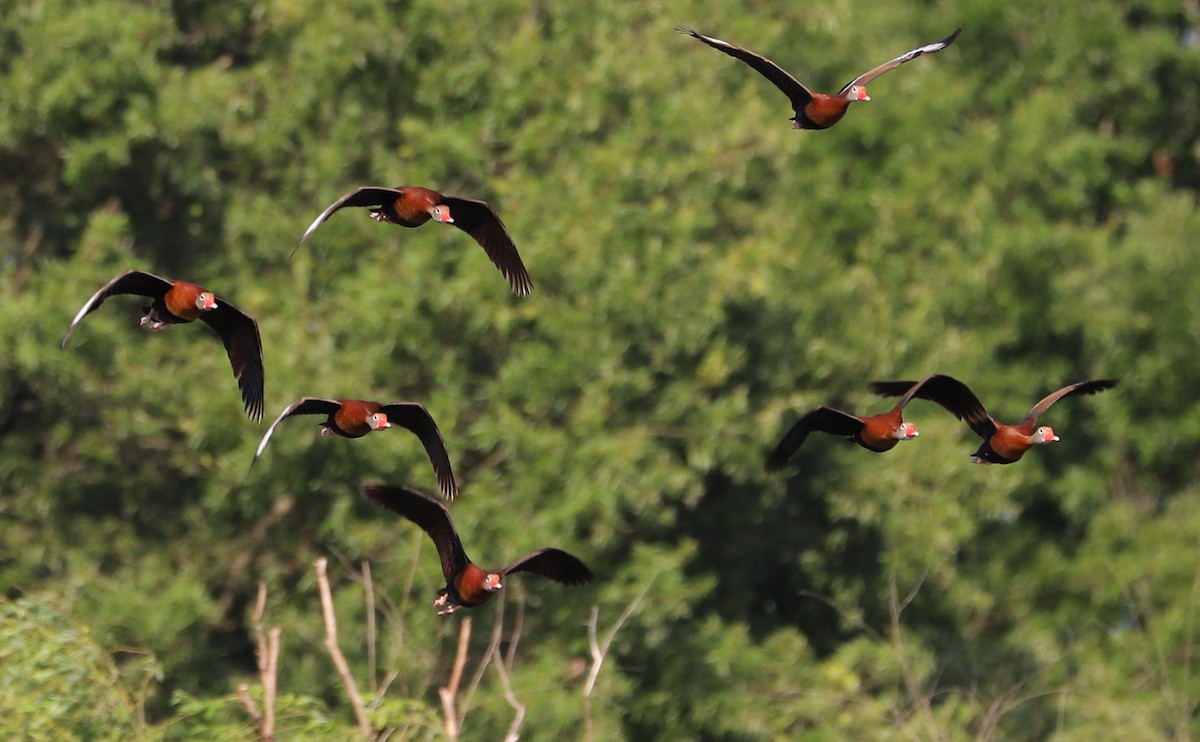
{"x": 892, "y": 64}
{"x": 138, "y": 283}
{"x": 1079, "y": 387}
{"x": 796, "y": 92}
{"x": 361, "y": 196}
{"x": 414, "y": 416}
{"x": 947, "y": 391}
{"x": 479, "y": 220}
{"x": 431, "y": 516}
{"x": 554, "y": 564}
{"x": 302, "y": 406}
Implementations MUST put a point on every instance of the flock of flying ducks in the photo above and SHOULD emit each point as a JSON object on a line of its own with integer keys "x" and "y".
{"x": 467, "y": 585}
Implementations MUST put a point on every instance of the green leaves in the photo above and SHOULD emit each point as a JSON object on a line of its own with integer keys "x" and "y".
{"x": 1018, "y": 211}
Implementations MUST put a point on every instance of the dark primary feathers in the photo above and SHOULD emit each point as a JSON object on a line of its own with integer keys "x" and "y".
{"x": 238, "y": 331}
{"x": 822, "y": 419}
{"x": 796, "y": 92}
{"x": 361, "y": 197}
{"x": 866, "y": 77}
{"x": 964, "y": 405}
{"x": 814, "y": 110}
{"x": 472, "y": 216}
{"x": 412, "y": 416}
{"x": 243, "y": 344}
{"x": 138, "y": 283}
{"x": 433, "y": 518}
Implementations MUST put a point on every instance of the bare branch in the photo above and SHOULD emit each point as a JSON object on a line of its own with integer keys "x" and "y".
{"x": 497, "y": 629}
{"x": 449, "y": 693}
{"x": 243, "y": 692}
{"x": 515, "y": 636}
{"x": 600, "y": 650}
{"x": 514, "y": 728}
{"x": 335, "y": 652}
{"x": 916, "y": 694}
{"x": 369, "y": 592}
{"x": 267, "y": 659}
{"x": 270, "y": 683}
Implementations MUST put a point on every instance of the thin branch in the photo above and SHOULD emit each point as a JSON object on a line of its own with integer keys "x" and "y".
{"x": 335, "y": 652}
{"x": 369, "y": 592}
{"x": 515, "y": 637}
{"x": 270, "y": 682}
{"x": 917, "y": 695}
{"x": 514, "y": 728}
{"x": 477, "y": 677}
{"x": 243, "y": 692}
{"x": 449, "y": 693}
{"x": 600, "y": 650}
{"x": 267, "y": 660}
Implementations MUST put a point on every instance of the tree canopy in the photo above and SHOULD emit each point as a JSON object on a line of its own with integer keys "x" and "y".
{"x": 1018, "y": 211}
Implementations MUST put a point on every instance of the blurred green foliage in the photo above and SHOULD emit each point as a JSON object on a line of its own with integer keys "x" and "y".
{"x": 1018, "y": 211}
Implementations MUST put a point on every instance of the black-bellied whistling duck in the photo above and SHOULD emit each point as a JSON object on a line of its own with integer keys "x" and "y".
{"x": 354, "y": 418}
{"x": 467, "y": 585}
{"x": 817, "y": 110}
{"x": 176, "y": 302}
{"x": 412, "y": 206}
{"x": 1002, "y": 444}
{"x": 878, "y": 433}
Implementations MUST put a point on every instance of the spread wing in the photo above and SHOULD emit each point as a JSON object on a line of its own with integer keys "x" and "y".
{"x": 432, "y": 517}
{"x": 302, "y": 406}
{"x": 822, "y": 419}
{"x": 555, "y": 564}
{"x": 949, "y": 393}
{"x": 478, "y": 219}
{"x": 791, "y": 87}
{"x": 362, "y": 196}
{"x": 892, "y": 64}
{"x": 239, "y": 333}
{"x": 1080, "y": 387}
{"x": 131, "y": 282}
{"x": 416, "y": 418}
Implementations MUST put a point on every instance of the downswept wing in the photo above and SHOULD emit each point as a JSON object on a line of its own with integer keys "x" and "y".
{"x": 479, "y": 220}
{"x": 414, "y": 417}
{"x": 796, "y": 92}
{"x": 866, "y": 77}
{"x": 1079, "y": 387}
{"x": 138, "y": 283}
{"x": 302, "y": 406}
{"x": 554, "y": 564}
{"x": 822, "y": 419}
{"x": 431, "y": 516}
{"x": 361, "y": 196}
{"x": 239, "y": 333}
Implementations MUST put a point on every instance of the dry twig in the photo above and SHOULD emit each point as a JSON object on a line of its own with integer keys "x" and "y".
{"x": 267, "y": 659}
{"x": 600, "y": 650}
{"x": 449, "y": 693}
{"x": 335, "y": 652}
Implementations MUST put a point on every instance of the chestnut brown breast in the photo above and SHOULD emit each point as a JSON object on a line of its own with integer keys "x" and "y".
{"x": 469, "y": 586}
{"x": 1010, "y": 441}
{"x": 180, "y": 300}
{"x": 879, "y": 431}
{"x": 414, "y": 204}
{"x": 826, "y": 110}
{"x": 352, "y": 416}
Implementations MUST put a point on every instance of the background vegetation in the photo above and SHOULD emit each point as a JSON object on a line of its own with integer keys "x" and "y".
{"x": 1018, "y": 211}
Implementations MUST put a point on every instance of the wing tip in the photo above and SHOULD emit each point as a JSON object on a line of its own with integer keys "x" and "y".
{"x": 447, "y": 486}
